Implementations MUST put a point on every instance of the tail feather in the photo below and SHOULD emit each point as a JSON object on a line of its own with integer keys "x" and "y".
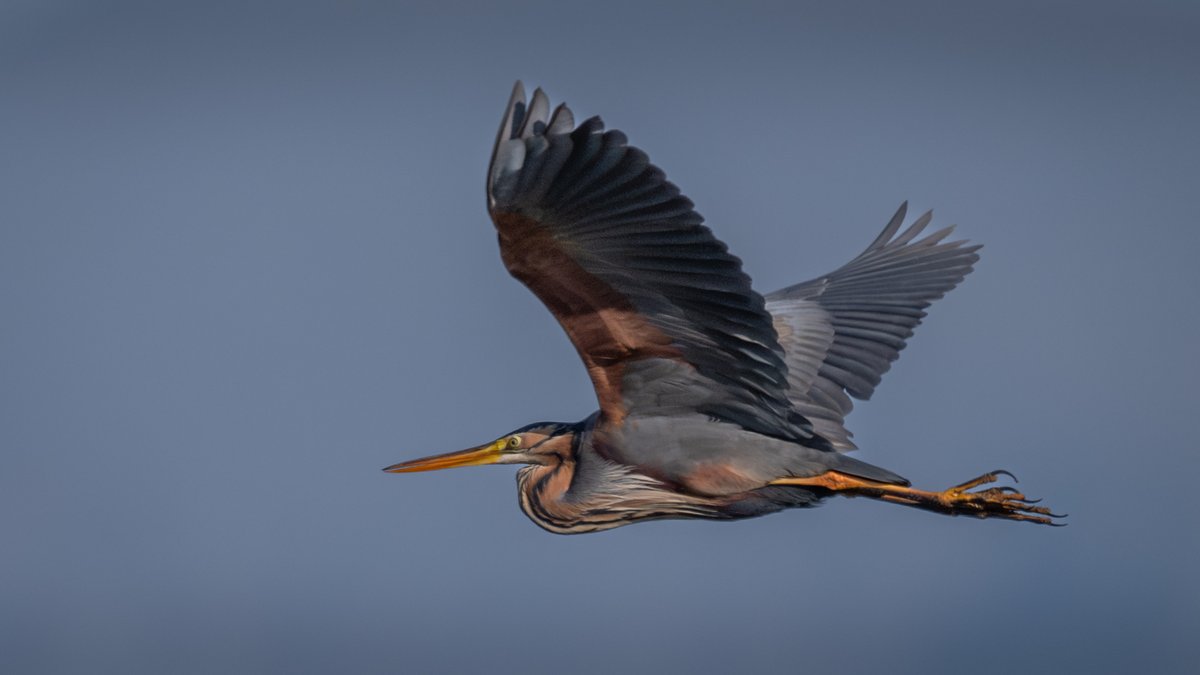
{"x": 861, "y": 469}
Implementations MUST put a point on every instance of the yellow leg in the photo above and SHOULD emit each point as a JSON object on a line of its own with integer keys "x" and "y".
{"x": 996, "y": 502}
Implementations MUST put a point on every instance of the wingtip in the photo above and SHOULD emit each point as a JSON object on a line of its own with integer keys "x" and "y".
{"x": 514, "y": 113}
{"x": 891, "y": 228}
{"x": 515, "y": 100}
{"x": 514, "y": 119}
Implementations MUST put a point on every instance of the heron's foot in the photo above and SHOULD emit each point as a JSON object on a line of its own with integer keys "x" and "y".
{"x": 1002, "y": 501}
{"x": 964, "y": 499}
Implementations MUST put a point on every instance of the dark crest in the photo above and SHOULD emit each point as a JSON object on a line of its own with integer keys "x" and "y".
{"x": 548, "y": 428}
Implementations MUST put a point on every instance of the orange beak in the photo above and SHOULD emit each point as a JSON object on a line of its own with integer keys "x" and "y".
{"x": 484, "y": 454}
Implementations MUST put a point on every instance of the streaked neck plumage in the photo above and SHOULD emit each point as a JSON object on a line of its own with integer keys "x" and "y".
{"x": 577, "y": 490}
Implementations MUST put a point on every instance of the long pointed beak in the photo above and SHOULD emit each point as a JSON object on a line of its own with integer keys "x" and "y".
{"x": 484, "y": 454}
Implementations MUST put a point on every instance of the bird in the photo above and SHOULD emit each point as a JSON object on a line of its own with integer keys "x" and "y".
{"x": 715, "y": 402}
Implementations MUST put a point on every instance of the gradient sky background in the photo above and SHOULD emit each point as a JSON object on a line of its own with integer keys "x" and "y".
{"x": 245, "y": 263}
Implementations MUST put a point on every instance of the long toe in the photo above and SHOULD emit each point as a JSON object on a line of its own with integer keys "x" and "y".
{"x": 1002, "y": 501}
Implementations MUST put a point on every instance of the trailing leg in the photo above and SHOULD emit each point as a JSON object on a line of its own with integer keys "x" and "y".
{"x": 961, "y": 500}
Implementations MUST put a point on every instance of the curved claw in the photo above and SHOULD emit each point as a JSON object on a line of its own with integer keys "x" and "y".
{"x": 1002, "y": 472}
{"x": 984, "y": 479}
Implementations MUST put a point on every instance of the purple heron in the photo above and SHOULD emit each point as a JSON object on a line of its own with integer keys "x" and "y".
{"x": 715, "y": 402}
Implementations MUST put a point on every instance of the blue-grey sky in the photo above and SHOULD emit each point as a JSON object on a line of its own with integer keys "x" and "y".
{"x": 245, "y": 263}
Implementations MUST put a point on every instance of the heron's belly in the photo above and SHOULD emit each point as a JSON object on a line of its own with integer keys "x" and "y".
{"x": 709, "y": 457}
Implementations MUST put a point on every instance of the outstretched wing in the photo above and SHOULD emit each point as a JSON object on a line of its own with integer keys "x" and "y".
{"x": 660, "y": 312}
{"x": 842, "y": 331}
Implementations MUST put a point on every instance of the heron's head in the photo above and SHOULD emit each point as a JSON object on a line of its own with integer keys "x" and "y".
{"x": 539, "y": 443}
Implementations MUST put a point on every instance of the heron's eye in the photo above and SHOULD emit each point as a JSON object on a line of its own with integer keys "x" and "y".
{"x": 514, "y": 442}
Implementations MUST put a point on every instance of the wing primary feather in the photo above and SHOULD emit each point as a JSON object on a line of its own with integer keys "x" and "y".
{"x": 536, "y": 116}
{"x": 913, "y": 230}
{"x": 561, "y": 122}
{"x": 610, "y": 152}
{"x": 586, "y": 143}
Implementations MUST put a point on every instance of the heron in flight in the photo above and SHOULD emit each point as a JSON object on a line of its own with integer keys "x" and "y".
{"x": 715, "y": 402}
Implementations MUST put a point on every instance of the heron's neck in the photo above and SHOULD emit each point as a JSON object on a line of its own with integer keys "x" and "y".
{"x": 587, "y": 493}
{"x": 544, "y": 492}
